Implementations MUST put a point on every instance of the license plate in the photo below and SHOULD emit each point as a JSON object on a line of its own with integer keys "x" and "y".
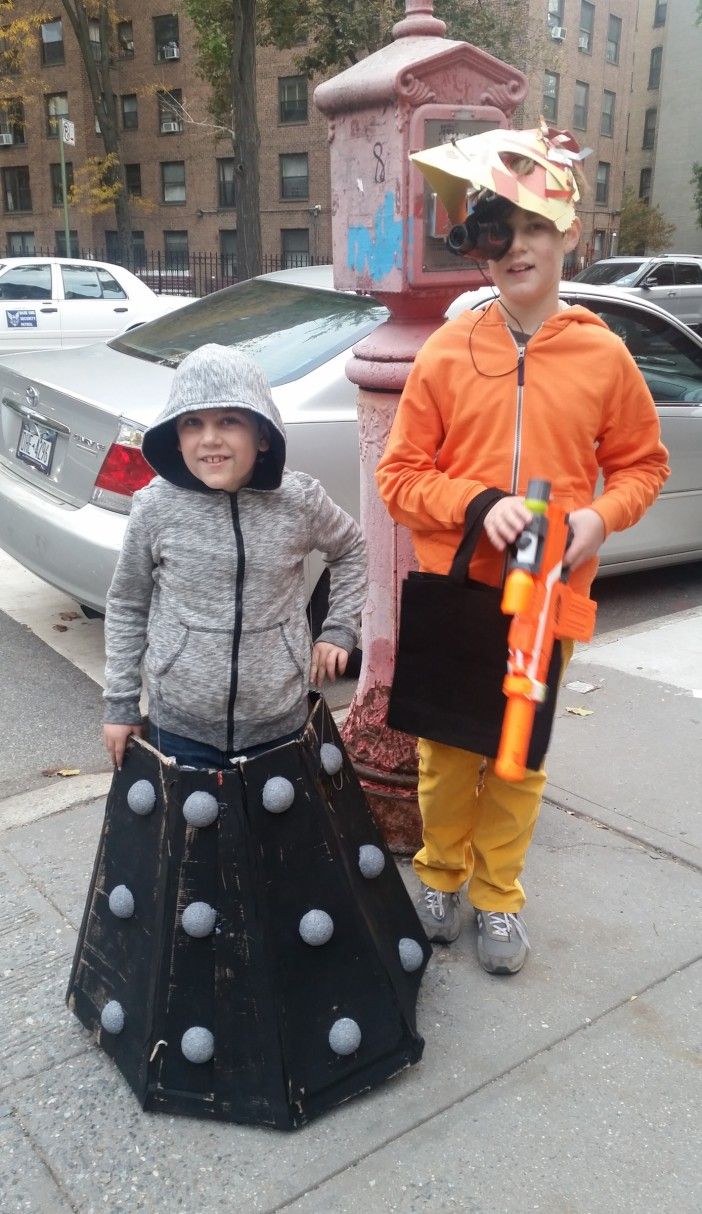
{"x": 36, "y": 445}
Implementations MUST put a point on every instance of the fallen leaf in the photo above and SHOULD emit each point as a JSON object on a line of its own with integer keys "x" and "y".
{"x": 69, "y": 615}
{"x": 579, "y": 712}
{"x": 60, "y": 627}
{"x": 61, "y": 771}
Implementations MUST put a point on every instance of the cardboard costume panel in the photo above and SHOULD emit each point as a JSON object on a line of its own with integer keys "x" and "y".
{"x": 248, "y": 950}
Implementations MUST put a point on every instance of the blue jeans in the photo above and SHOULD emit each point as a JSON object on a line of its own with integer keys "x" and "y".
{"x": 187, "y": 752}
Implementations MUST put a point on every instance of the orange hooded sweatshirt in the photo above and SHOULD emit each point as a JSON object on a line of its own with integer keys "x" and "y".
{"x": 479, "y": 412}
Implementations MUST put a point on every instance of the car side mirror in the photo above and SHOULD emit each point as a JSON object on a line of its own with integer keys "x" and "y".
{"x": 650, "y": 281}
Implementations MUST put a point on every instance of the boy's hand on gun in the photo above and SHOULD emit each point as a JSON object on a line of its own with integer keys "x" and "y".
{"x": 327, "y": 662}
{"x": 505, "y": 521}
{"x": 508, "y": 518}
{"x": 588, "y": 537}
{"x": 116, "y": 737}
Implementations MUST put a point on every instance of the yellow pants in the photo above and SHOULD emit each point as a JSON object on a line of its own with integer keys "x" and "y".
{"x": 476, "y": 826}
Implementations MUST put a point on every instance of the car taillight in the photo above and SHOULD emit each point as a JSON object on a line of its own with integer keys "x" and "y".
{"x": 124, "y": 470}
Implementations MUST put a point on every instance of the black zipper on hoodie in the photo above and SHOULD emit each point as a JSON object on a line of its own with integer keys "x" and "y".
{"x": 238, "y": 620}
{"x": 517, "y": 454}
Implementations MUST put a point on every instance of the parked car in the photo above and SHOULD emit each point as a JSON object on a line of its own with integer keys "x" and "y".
{"x": 672, "y": 280}
{"x": 73, "y": 420}
{"x": 54, "y": 302}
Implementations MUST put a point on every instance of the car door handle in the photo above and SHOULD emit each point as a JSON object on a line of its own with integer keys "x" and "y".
{"x": 49, "y": 309}
{"x": 120, "y": 309}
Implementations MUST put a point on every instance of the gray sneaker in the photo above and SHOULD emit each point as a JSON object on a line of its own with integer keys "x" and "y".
{"x": 438, "y": 914}
{"x": 502, "y": 941}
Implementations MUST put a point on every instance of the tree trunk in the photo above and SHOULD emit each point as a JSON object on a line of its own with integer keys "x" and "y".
{"x": 105, "y": 107}
{"x": 246, "y": 138}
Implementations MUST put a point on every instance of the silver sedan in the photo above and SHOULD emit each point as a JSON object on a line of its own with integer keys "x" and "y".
{"x": 73, "y": 420}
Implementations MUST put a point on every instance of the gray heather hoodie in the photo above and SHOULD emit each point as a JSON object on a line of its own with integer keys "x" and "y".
{"x": 209, "y": 588}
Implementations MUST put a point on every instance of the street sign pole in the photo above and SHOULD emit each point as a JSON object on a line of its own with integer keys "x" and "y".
{"x": 66, "y": 135}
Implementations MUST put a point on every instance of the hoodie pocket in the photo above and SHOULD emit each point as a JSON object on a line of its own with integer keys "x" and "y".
{"x": 191, "y": 671}
{"x": 272, "y": 672}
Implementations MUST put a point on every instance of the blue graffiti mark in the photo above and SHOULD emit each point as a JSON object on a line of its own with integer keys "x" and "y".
{"x": 380, "y": 250}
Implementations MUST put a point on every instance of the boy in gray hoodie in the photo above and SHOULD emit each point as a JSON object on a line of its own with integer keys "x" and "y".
{"x": 209, "y": 589}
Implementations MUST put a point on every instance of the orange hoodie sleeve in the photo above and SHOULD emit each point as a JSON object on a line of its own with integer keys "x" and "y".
{"x": 632, "y": 457}
{"x": 414, "y": 490}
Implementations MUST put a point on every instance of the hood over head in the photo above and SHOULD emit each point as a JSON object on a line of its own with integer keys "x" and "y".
{"x": 216, "y": 377}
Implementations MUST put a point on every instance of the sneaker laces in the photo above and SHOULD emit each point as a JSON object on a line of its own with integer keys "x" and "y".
{"x": 434, "y": 899}
{"x": 501, "y": 923}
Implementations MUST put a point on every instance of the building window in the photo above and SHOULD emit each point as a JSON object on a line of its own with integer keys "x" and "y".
{"x": 549, "y": 105}
{"x": 587, "y": 26}
{"x": 173, "y": 181}
{"x": 649, "y": 131}
{"x": 294, "y": 181}
{"x": 9, "y": 55}
{"x": 175, "y": 245}
{"x": 56, "y": 108}
{"x": 132, "y": 176}
{"x": 607, "y": 119}
{"x": 60, "y": 244}
{"x": 170, "y": 112}
{"x": 56, "y": 186}
{"x": 12, "y": 123}
{"x": 660, "y": 14}
{"x": 21, "y": 244}
{"x": 94, "y": 36}
{"x": 228, "y": 251}
{"x": 555, "y": 12}
{"x": 295, "y": 247}
{"x": 645, "y": 184}
{"x": 112, "y": 252}
{"x": 166, "y": 38}
{"x": 582, "y": 101}
{"x": 654, "y": 68}
{"x": 17, "y": 194}
{"x": 614, "y": 38}
{"x": 602, "y": 183}
{"x": 226, "y": 183}
{"x": 125, "y": 40}
{"x": 130, "y": 111}
{"x": 292, "y": 98}
{"x": 52, "y": 42}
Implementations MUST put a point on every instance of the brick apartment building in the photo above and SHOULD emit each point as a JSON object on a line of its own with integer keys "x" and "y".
{"x": 579, "y": 56}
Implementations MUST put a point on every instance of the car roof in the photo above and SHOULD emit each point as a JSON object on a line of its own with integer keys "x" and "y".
{"x": 605, "y": 292}
{"x": 61, "y": 261}
{"x": 624, "y": 257}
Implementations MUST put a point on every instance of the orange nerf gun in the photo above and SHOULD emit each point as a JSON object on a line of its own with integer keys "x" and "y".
{"x": 544, "y": 608}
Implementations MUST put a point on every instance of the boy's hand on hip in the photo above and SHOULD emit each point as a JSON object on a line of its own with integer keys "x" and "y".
{"x": 116, "y": 737}
{"x": 588, "y": 536}
{"x": 327, "y": 662}
{"x": 505, "y": 521}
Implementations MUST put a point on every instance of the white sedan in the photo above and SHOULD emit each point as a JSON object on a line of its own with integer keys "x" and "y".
{"x": 54, "y": 302}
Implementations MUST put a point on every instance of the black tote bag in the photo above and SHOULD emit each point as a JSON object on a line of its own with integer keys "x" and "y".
{"x": 452, "y": 656}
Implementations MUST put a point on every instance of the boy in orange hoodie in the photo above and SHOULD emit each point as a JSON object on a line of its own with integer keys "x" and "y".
{"x": 526, "y": 387}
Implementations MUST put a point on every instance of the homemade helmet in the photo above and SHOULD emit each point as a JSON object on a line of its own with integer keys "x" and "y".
{"x": 480, "y": 178}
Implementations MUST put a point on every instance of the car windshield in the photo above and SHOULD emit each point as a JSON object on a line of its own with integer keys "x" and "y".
{"x": 607, "y": 271}
{"x": 288, "y": 329}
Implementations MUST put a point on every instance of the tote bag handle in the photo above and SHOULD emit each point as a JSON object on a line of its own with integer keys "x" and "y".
{"x": 475, "y": 517}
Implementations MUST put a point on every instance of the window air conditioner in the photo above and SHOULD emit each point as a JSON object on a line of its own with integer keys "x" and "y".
{"x": 6, "y": 138}
{"x": 583, "y": 42}
{"x": 170, "y": 128}
{"x": 170, "y": 52}
{"x": 558, "y": 33}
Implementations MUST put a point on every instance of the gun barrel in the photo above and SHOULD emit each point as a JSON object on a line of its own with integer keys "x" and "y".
{"x": 517, "y": 726}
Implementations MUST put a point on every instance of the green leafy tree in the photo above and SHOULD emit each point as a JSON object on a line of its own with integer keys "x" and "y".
{"x": 226, "y": 45}
{"x": 96, "y": 58}
{"x": 696, "y": 183}
{"x": 643, "y": 228}
{"x": 339, "y": 33}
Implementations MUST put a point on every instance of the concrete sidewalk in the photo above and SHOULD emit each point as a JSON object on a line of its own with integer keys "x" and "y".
{"x": 572, "y": 1088}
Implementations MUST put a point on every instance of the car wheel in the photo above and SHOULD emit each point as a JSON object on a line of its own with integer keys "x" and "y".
{"x": 90, "y": 613}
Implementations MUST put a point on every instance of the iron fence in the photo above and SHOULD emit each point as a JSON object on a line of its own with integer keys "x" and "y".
{"x": 191, "y": 274}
